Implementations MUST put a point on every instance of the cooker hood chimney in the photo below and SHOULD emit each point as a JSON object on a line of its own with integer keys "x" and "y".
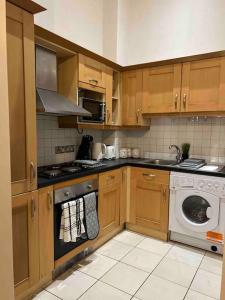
{"x": 49, "y": 101}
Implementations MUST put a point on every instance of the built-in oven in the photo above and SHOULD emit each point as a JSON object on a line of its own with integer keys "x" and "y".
{"x": 64, "y": 195}
{"x": 95, "y": 107}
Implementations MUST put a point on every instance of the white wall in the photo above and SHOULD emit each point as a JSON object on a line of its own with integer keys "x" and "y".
{"x": 132, "y": 32}
{"x": 151, "y": 30}
{"x": 80, "y": 21}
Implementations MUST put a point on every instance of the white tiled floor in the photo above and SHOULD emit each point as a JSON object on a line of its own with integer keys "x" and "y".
{"x": 132, "y": 266}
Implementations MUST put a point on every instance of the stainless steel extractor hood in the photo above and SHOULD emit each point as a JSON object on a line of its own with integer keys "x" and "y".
{"x": 49, "y": 101}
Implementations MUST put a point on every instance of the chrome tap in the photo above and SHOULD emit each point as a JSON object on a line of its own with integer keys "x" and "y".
{"x": 179, "y": 155}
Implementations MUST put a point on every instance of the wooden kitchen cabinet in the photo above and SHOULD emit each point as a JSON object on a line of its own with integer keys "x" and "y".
{"x": 91, "y": 71}
{"x": 46, "y": 232}
{"x": 161, "y": 89}
{"x": 25, "y": 241}
{"x": 203, "y": 85}
{"x": 132, "y": 92}
{"x": 149, "y": 202}
{"x": 109, "y": 200}
{"x": 22, "y": 99}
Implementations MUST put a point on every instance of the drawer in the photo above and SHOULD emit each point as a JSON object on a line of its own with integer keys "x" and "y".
{"x": 150, "y": 175}
{"x": 110, "y": 178}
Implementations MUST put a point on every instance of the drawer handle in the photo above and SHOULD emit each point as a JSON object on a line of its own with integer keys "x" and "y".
{"x": 94, "y": 81}
{"x": 149, "y": 175}
{"x": 50, "y": 202}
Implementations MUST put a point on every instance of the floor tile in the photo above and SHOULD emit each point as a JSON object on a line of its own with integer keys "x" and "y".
{"x": 102, "y": 291}
{"x": 212, "y": 263}
{"x": 175, "y": 271}
{"x": 160, "y": 289}
{"x": 96, "y": 265}
{"x": 186, "y": 254}
{"x": 192, "y": 295}
{"x": 129, "y": 238}
{"x": 144, "y": 260}
{"x": 156, "y": 246}
{"x": 207, "y": 283}
{"x": 114, "y": 249}
{"x": 125, "y": 278}
{"x": 44, "y": 295}
{"x": 72, "y": 287}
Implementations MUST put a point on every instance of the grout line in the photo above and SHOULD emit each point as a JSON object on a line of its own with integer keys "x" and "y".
{"x": 53, "y": 294}
{"x": 194, "y": 275}
{"x": 153, "y": 270}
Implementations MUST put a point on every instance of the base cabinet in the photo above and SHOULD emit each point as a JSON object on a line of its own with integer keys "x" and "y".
{"x": 149, "y": 202}
{"x": 25, "y": 241}
{"x": 109, "y": 201}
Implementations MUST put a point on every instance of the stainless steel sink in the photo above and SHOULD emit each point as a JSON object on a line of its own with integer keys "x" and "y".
{"x": 161, "y": 162}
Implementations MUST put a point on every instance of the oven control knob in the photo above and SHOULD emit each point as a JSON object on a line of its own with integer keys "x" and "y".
{"x": 67, "y": 194}
{"x": 89, "y": 186}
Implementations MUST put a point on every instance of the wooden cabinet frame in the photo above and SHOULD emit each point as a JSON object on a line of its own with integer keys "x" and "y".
{"x": 25, "y": 22}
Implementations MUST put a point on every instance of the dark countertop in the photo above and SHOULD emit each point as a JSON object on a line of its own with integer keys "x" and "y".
{"x": 117, "y": 163}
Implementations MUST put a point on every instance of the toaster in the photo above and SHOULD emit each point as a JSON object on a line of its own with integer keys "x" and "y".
{"x": 110, "y": 152}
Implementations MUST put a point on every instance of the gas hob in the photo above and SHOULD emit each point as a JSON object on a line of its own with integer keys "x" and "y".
{"x": 60, "y": 170}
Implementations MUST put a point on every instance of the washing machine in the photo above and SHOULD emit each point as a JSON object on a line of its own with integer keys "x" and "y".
{"x": 197, "y": 210}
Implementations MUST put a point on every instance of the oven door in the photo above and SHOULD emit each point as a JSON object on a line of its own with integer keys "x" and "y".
{"x": 96, "y": 108}
{"x": 197, "y": 211}
{"x": 60, "y": 247}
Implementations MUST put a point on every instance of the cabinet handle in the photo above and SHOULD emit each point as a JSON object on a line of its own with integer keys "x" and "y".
{"x": 50, "y": 202}
{"x": 137, "y": 115}
{"x": 33, "y": 207}
{"x": 108, "y": 115}
{"x": 164, "y": 194}
{"x": 184, "y": 100}
{"x": 32, "y": 172}
{"x": 93, "y": 80}
{"x": 111, "y": 177}
{"x": 175, "y": 102}
{"x": 150, "y": 176}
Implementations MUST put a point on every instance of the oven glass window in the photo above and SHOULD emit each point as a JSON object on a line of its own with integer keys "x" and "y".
{"x": 194, "y": 209}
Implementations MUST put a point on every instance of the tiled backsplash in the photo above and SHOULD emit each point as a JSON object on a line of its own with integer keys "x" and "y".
{"x": 206, "y": 136}
{"x": 50, "y": 136}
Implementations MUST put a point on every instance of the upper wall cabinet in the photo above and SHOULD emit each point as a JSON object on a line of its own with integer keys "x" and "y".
{"x": 161, "y": 89}
{"x": 22, "y": 101}
{"x": 203, "y": 85}
{"x": 91, "y": 71}
{"x": 132, "y": 98}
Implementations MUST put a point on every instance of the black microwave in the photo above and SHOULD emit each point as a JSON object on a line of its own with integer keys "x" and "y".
{"x": 95, "y": 107}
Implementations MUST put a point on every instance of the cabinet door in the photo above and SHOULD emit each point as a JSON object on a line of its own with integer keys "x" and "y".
{"x": 25, "y": 241}
{"x": 109, "y": 201}
{"x": 22, "y": 101}
{"x": 132, "y": 97}
{"x": 149, "y": 199}
{"x": 46, "y": 230}
{"x": 91, "y": 71}
{"x": 203, "y": 85}
{"x": 161, "y": 89}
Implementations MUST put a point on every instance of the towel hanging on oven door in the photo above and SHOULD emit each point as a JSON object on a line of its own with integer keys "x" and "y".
{"x": 72, "y": 220}
{"x": 91, "y": 216}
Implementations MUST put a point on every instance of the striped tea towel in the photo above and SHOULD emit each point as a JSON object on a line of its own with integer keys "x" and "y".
{"x": 72, "y": 220}
{"x": 91, "y": 216}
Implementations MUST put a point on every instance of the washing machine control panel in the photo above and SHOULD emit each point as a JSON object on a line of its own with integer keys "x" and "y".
{"x": 204, "y": 183}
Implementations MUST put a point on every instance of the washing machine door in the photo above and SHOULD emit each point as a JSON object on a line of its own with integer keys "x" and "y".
{"x": 198, "y": 212}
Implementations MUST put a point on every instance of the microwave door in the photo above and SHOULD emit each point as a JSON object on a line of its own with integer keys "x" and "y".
{"x": 96, "y": 108}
